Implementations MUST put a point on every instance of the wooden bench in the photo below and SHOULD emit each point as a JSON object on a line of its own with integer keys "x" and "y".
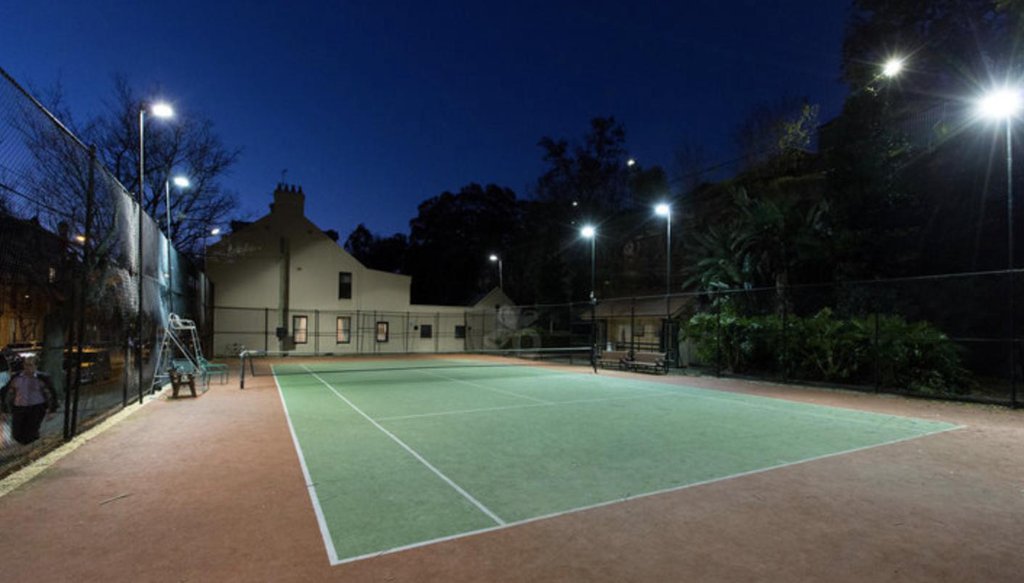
{"x": 615, "y": 358}
{"x": 654, "y": 362}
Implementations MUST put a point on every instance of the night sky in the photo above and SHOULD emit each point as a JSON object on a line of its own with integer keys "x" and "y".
{"x": 375, "y": 106}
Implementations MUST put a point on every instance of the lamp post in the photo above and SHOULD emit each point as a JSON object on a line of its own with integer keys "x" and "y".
{"x": 501, "y": 277}
{"x": 160, "y": 110}
{"x": 665, "y": 210}
{"x": 181, "y": 182}
{"x": 1003, "y": 105}
{"x": 589, "y": 232}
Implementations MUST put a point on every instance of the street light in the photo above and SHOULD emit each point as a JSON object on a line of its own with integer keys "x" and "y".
{"x": 665, "y": 210}
{"x": 892, "y": 68}
{"x": 501, "y": 278}
{"x": 213, "y": 233}
{"x": 998, "y": 105}
{"x": 160, "y": 110}
{"x": 589, "y": 232}
{"x": 182, "y": 183}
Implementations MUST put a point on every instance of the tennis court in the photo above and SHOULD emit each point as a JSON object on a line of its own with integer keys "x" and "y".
{"x": 403, "y": 453}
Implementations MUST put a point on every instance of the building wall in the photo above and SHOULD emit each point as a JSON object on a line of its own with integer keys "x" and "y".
{"x": 283, "y": 266}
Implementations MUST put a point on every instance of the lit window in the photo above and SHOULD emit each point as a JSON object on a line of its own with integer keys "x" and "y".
{"x": 300, "y": 327}
{"x": 382, "y": 331}
{"x": 344, "y": 330}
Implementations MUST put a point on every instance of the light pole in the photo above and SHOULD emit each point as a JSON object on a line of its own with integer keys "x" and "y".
{"x": 1003, "y": 105}
{"x": 501, "y": 277}
{"x": 665, "y": 210}
{"x": 160, "y": 110}
{"x": 181, "y": 182}
{"x": 589, "y": 232}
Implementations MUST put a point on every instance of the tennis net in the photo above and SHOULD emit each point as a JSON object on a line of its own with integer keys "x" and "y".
{"x": 257, "y": 363}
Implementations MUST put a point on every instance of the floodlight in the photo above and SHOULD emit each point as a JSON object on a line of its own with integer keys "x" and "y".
{"x": 162, "y": 109}
{"x": 181, "y": 182}
{"x": 893, "y": 67}
{"x": 1000, "y": 103}
{"x": 588, "y": 232}
{"x": 662, "y": 210}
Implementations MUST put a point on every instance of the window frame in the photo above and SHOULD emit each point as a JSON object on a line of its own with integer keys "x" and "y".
{"x": 338, "y": 329}
{"x": 305, "y": 329}
{"x": 345, "y": 288}
{"x": 426, "y": 331}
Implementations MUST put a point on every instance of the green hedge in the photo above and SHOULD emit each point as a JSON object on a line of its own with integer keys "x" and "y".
{"x": 914, "y": 356}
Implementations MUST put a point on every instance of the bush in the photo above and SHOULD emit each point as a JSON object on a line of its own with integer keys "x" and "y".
{"x": 913, "y": 356}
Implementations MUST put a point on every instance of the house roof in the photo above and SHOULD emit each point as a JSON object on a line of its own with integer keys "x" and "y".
{"x": 642, "y": 307}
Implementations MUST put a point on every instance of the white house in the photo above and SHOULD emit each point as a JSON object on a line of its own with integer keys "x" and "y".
{"x": 280, "y": 283}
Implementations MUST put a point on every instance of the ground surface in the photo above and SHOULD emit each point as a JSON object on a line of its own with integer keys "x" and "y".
{"x": 211, "y": 489}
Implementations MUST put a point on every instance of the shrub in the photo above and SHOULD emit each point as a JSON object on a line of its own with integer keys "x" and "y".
{"x": 914, "y": 356}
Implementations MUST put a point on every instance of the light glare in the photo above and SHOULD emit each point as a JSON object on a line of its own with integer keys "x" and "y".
{"x": 215, "y": 231}
{"x": 161, "y": 109}
{"x": 893, "y": 67}
{"x": 662, "y": 209}
{"x": 181, "y": 182}
{"x": 588, "y": 232}
{"x": 1000, "y": 104}
{"x": 494, "y": 257}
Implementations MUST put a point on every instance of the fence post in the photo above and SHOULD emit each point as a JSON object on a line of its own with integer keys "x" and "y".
{"x": 878, "y": 354}
{"x": 316, "y": 332}
{"x": 785, "y": 346}
{"x": 718, "y": 340}
{"x": 266, "y": 329}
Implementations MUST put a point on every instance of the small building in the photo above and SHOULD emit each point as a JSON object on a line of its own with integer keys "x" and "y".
{"x": 282, "y": 284}
{"x": 640, "y": 324}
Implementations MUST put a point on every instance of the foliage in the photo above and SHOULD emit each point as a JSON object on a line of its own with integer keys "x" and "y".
{"x": 913, "y": 356}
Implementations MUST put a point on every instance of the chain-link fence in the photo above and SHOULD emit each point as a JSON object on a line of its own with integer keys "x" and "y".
{"x": 71, "y": 295}
{"x": 944, "y": 336}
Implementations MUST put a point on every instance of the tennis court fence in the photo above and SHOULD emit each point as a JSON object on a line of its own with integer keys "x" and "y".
{"x": 85, "y": 287}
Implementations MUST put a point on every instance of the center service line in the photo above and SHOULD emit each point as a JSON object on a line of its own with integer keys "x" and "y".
{"x": 412, "y": 452}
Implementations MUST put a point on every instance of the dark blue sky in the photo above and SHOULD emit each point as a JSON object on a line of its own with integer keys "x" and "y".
{"x": 375, "y": 106}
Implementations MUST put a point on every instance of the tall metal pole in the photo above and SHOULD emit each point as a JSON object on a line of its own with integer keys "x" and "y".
{"x": 138, "y": 318}
{"x": 1009, "y": 243}
{"x": 593, "y": 305}
{"x": 668, "y": 284}
{"x": 501, "y": 275}
{"x": 170, "y": 243}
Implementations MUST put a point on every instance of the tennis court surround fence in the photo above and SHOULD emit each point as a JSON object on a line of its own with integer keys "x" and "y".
{"x": 70, "y": 247}
{"x": 944, "y": 336}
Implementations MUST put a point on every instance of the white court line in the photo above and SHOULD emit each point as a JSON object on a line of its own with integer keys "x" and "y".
{"x": 530, "y": 406}
{"x": 636, "y": 497}
{"x": 412, "y": 452}
{"x": 472, "y": 384}
{"x": 332, "y": 554}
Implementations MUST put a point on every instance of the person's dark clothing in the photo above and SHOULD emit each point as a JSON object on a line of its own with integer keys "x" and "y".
{"x": 28, "y": 397}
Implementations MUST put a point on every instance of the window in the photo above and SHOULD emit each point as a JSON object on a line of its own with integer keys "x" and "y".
{"x": 426, "y": 331}
{"x": 300, "y": 326}
{"x": 344, "y": 285}
{"x": 382, "y": 331}
{"x": 638, "y": 330}
{"x": 460, "y": 331}
{"x": 344, "y": 330}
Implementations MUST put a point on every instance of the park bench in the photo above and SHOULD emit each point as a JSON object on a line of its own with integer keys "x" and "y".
{"x": 614, "y": 358}
{"x": 653, "y": 362}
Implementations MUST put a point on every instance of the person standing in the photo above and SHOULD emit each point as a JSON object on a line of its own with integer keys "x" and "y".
{"x": 29, "y": 397}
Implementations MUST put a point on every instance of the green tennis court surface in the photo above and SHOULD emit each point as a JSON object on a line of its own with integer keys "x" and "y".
{"x": 400, "y": 454}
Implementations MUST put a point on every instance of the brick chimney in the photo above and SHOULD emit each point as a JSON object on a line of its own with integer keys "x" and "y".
{"x": 288, "y": 200}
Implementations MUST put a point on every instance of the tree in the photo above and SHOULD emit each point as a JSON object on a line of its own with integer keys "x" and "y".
{"x": 384, "y": 254}
{"x": 451, "y": 238}
{"x": 187, "y": 144}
